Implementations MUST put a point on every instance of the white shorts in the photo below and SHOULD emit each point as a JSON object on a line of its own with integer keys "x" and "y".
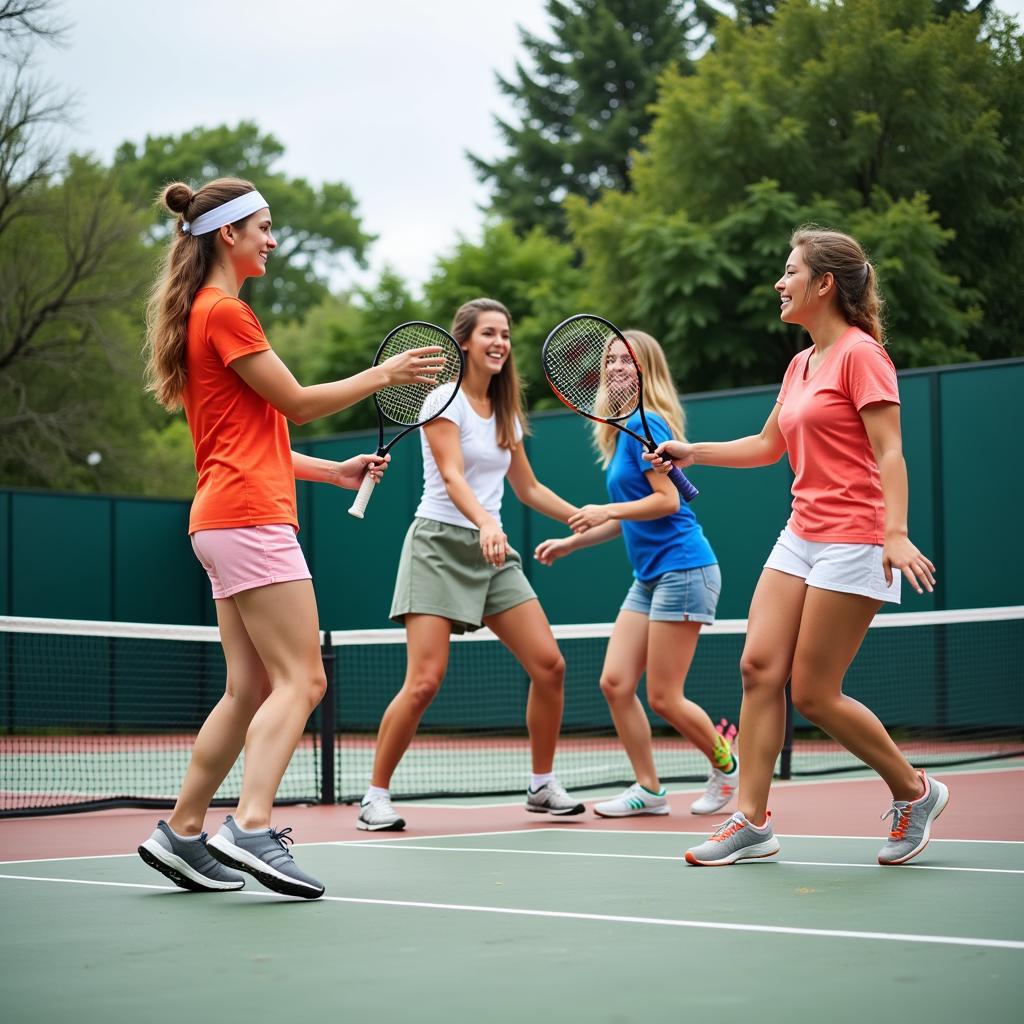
{"x": 847, "y": 568}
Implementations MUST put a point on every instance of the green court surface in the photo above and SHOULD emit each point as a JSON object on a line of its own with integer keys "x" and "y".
{"x": 540, "y": 925}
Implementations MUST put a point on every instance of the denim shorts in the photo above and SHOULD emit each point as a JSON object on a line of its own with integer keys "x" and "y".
{"x": 682, "y": 595}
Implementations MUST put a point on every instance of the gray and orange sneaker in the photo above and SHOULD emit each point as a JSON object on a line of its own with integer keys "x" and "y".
{"x": 735, "y": 839}
{"x": 912, "y": 822}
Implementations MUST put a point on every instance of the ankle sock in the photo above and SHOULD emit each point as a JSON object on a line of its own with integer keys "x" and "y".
{"x": 537, "y": 781}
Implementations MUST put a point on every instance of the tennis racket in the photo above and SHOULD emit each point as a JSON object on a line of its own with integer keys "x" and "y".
{"x": 575, "y": 358}
{"x": 409, "y": 406}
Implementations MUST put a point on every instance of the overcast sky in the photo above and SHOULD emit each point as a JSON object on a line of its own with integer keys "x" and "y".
{"x": 384, "y": 96}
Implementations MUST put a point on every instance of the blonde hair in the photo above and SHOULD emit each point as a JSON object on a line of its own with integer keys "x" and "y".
{"x": 504, "y": 389}
{"x": 659, "y": 394}
{"x": 183, "y": 269}
{"x": 832, "y": 252}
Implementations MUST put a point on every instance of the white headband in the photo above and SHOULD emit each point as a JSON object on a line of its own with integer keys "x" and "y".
{"x": 227, "y": 213}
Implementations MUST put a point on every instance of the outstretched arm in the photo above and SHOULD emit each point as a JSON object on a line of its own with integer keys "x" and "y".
{"x": 271, "y": 379}
{"x": 531, "y": 492}
{"x": 761, "y": 449}
{"x": 348, "y": 474}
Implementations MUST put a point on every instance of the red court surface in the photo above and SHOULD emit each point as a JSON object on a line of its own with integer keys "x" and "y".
{"x": 984, "y": 804}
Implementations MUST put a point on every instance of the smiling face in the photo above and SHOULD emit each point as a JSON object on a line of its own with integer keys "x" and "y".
{"x": 488, "y": 346}
{"x": 795, "y": 289}
{"x": 253, "y": 245}
{"x": 619, "y": 379}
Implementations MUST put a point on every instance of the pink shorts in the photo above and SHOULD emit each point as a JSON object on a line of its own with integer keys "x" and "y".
{"x": 245, "y": 557}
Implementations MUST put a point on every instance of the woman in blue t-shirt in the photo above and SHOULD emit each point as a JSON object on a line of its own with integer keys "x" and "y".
{"x": 675, "y": 590}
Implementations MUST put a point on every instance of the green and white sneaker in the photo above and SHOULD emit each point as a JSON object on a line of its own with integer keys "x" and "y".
{"x": 735, "y": 839}
{"x": 635, "y": 800}
{"x": 912, "y": 822}
{"x": 720, "y": 789}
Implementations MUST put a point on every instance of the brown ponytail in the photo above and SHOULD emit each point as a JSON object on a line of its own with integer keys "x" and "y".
{"x": 831, "y": 252}
{"x": 184, "y": 267}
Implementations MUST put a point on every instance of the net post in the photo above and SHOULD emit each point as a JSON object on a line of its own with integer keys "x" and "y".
{"x": 327, "y": 724}
{"x": 786, "y": 756}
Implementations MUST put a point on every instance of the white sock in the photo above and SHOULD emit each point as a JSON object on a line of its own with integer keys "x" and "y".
{"x": 376, "y": 791}
{"x": 536, "y": 781}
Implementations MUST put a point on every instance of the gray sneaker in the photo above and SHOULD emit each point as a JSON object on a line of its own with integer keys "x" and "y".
{"x": 377, "y": 815}
{"x": 265, "y": 856}
{"x": 187, "y": 862}
{"x": 551, "y": 798}
{"x": 735, "y": 839}
{"x": 912, "y": 822}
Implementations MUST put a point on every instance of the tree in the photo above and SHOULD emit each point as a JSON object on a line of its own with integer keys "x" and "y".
{"x": 317, "y": 228}
{"x": 72, "y": 270}
{"x": 533, "y": 275}
{"x": 583, "y": 107}
{"x": 871, "y": 117}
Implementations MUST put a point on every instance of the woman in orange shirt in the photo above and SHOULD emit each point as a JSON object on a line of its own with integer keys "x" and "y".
{"x": 841, "y": 554}
{"x": 208, "y": 354}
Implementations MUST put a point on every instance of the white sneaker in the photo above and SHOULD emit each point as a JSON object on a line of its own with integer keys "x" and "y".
{"x": 635, "y": 800}
{"x": 719, "y": 791}
{"x": 552, "y": 798}
{"x": 377, "y": 815}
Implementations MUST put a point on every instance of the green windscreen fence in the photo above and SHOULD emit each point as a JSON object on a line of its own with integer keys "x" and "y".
{"x": 93, "y": 714}
{"x": 129, "y": 559}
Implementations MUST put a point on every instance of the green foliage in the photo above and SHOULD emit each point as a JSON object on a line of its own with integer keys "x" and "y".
{"x": 875, "y": 118}
{"x": 317, "y": 228}
{"x": 72, "y": 275}
{"x": 532, "y": 274}
{"x": 583, "y": 104}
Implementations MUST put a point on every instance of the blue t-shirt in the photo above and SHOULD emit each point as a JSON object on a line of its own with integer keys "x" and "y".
{"x": 654, "y": 546}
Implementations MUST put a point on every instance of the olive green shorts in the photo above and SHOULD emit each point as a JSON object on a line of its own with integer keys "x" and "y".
{"x": 443, "y": 572}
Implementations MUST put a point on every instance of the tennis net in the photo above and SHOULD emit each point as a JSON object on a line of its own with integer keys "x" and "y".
{"x": 98, "y": 714}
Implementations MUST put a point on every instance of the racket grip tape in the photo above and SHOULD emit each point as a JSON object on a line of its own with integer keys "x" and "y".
{"x": 362, "y": 496}
{"x": 685, "y": 488}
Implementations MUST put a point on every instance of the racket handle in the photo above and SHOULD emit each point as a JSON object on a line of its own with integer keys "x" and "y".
{"x": 362, "y": 496}
{"x": 683, "y": 486}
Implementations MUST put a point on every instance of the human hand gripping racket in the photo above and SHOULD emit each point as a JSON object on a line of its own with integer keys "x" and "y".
{"x": 410, "y": 405}
{"x": 593, "y": 369}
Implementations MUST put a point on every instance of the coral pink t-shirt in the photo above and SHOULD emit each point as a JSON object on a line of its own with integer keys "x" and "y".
{"x": 243, "y": 450}
{"x": 837, "y": 490}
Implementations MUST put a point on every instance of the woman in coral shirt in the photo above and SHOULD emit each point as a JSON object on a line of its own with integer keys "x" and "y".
{"x": 208, "y": 354}
{"x": 840, "y": 556}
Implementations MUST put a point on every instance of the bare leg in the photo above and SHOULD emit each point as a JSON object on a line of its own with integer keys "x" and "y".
{"x": 669, "y": 656}
{"x": 831, "y": 632}
{"x": 427, "y": 661}
{"x": 281, "y": 621}
{"x": 772, "y": 628}
{"x": 221, "y": 738}
{"x": 624, "y": 663}
{"x": 525, "y": 631}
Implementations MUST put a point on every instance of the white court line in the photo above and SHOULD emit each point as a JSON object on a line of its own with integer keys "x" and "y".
{"x": 678, "y": 858}
{"x": 324, "y": 842}
{"x": 831, "y": 933}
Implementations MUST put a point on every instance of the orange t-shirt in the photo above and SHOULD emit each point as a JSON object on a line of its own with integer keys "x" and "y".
{"x": 243, "y": 451}
{"x": 837, "y": 490}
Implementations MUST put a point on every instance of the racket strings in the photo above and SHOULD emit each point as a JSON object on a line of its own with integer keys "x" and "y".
{"x": 409, "y": 404}
{"x": 576, "y": 360}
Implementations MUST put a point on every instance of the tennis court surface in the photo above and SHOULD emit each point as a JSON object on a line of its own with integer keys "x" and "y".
{"x": 480, "y": 911}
